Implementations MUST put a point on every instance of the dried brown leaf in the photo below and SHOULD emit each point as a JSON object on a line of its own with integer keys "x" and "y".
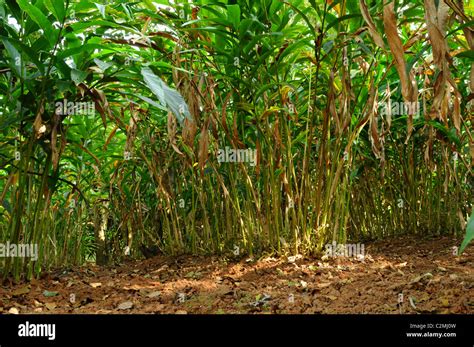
{"x": 436, "y": 17}
{"x": 370, "y": 24}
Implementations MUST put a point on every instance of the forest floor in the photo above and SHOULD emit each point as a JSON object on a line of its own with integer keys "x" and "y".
{"x": 430, "y": 277}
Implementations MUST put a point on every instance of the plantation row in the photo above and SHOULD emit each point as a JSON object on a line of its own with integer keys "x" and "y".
{"x": 271, "y": 126}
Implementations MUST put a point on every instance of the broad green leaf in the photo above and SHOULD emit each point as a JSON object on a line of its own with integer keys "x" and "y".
{"x": 78, "y": 50}
{"x": 466, "y": 54}
{"x": 151, "y": 102}
{"x": 56, "y": 7}
{"x": 39, "y": 18}
{"x": 15, "y": 55}
{"x": 78, "y": 76}
{"x": 469, "y": 234}
{"x": 102, "y": 64}
{"x": 167, "y": 96}
{"x": 233, "y": 14}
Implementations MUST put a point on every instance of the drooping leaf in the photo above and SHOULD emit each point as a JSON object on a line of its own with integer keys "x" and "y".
{"x": 370, "y": 24}
{"x": 166, "y": 95}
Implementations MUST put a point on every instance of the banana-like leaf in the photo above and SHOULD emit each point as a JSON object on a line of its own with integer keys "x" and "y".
{"x": 166, "y": 95}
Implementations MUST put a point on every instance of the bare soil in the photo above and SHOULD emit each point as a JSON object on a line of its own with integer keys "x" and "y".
{"x": 430, "y": 277}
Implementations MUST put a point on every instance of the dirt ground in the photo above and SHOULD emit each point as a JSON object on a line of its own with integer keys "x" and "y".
{"x": 430, "y": 277}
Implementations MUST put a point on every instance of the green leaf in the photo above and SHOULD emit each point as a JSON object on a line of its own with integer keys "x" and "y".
{"x": 2, "y": 11}
{"x": 451, "y": 135}
{"x": 233, "y": 15}
{"x": 48, "y": 294}
{"x": 151, "y": 102}
{"x": 102, "y": 64}
{"x": 14, "y": 54}
{"x": 80, "y": 49}
{"x": 39, "y": 18}
{"x": 78, "y": 76}
{"x": 167, "y": 96}
{"x": 306, "y": 19}
{"x": 340, "y": 19}
{"x": 466, "y": 54}
{"x": 101, "y": 9}
{"x": 465, "y": 25}
{"x": 56, "y": 7}
{"x": 469, "y": 234}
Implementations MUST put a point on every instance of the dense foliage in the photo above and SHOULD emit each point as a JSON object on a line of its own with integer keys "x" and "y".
{"x": 117, "y": 119}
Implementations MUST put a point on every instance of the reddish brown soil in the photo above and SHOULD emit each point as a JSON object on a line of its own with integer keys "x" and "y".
{"x": 430, "y": 277}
